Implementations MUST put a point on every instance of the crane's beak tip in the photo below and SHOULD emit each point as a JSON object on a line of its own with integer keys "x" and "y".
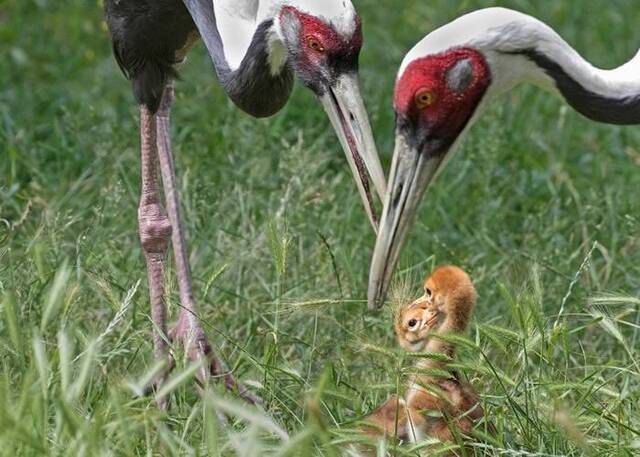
{"x": 375, "y": 298}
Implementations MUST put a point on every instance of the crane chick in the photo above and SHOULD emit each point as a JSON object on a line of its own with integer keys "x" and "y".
{"x": 448, "y": 408}
{"x": 436, "y": 405}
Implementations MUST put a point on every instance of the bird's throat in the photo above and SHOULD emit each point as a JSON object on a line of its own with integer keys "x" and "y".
{"x": 277, "y": 51}
{"x": 452, "y": 325}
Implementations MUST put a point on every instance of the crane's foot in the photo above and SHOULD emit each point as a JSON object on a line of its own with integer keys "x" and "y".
{"x": 189, "y": 331}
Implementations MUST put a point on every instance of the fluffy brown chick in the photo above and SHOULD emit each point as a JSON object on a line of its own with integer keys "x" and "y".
{"x": 389, "y": 420}
{"x": 449, "y": 293}
{"x": 449, "y": 406}
{"x": 441, "y": 407}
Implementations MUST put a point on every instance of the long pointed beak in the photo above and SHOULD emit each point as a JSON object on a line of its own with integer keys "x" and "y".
{"x": 412, "y": 171}
{"x": 347, "y": 113}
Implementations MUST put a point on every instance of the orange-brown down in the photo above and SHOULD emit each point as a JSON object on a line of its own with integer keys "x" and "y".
{"x": 441, "y": 407}
{"x": 393, "y": 420}
{"x": 390, "y": 419}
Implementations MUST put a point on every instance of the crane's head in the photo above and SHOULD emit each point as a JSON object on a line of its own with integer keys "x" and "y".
{"x": 323, "y": 41}
{"x": 435, "y": 98}
{"x": 320, "y": 41}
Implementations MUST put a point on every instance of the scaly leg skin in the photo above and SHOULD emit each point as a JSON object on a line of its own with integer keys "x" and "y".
{"x": 189, "y": 329}
{"x": 154, "y": 231}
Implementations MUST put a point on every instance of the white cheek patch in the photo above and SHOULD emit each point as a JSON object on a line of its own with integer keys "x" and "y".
{"x": 278, "y": 54}
{"x": 340, "y": 14}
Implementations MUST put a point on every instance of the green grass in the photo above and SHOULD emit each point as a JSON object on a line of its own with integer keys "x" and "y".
{"x": 541, "y": 207}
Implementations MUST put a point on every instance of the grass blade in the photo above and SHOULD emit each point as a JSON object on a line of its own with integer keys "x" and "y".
{"x": 56, "y": 292}
{"x": 249, "y": 414}
{"x": 64, "y": 351}
{"x": 88, "y": 364}
{"x": 42, "y": 363}
{"x": 11, "y": 320}
{"x": 179, "y": 379}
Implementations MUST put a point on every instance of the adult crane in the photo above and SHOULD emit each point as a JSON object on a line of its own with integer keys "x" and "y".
{"x": 446, "y": 81}
{"x": 258, "y": 47}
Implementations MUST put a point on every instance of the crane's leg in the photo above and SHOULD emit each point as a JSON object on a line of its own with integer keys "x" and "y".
{"x": 154, "y": 230}
{"x": 189, "y": 328}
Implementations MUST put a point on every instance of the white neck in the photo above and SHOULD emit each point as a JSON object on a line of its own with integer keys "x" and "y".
{"x": 516, "y": 32}
{"x": 237, "y": 22}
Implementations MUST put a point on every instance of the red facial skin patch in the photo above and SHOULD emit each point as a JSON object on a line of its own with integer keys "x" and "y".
{"x": 449, "y": 111}
{"x": 331, "y": 42}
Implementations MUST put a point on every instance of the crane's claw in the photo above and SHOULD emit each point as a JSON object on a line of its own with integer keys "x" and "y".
{"x": 198, "y": 348}
{"x": 189, "y": 331}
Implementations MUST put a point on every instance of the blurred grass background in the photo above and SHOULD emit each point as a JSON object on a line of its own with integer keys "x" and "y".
{"x": 540, "y": 206}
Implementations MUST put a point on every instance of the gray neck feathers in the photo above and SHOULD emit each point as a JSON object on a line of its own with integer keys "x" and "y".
{"x": 203, "y": 15}
{"x": 252, "y": 87}
{"x": 595, "y": 103}
{"x": 609, "y": 96}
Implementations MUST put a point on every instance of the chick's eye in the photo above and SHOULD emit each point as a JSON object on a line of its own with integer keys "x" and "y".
{"x": 315, "y": 44}
{"x": 424, "y": 98}
{"x": 428, "y": 292}
{"x": 412, "y": 323}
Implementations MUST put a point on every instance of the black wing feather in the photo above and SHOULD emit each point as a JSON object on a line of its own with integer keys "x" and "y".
{"x": 146, "y": 35}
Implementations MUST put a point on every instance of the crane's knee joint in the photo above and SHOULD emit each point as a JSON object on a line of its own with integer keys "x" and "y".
{"x": 154, "y": 228}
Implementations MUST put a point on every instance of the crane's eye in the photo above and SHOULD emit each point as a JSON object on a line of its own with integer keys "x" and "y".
{"x": 428, "y": 292}
{"x": 412, "y": 323}
{"x": 424, "y": 98}
{"x": 315, "y": 44}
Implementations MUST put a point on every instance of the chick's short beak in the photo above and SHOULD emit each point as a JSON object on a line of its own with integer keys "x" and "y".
{"x": 432, "y": 319}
